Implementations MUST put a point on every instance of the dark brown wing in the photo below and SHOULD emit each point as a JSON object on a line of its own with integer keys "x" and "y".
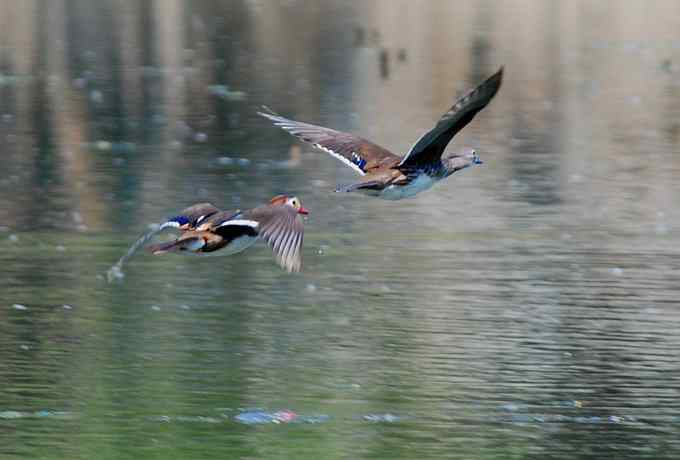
{"x": 357, "y": 153}
{"x": 216, "y": 220}
{"x": 191, "y": 216}
{"x": 431, "y": 145}
{"x": 283, "y": 231}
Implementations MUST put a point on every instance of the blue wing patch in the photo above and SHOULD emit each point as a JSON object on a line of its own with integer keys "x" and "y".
{"x": 180, "y": 220}
{"x": 357, "y": 160}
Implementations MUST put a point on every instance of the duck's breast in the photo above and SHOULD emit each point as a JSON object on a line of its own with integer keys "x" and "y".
{"x": 417, "y": 185}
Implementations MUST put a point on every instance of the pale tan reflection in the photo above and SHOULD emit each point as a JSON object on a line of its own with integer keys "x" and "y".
{"x": 167, "y": 49}
{"x": 285, "y": 34}
{"x": 68, "y": 110}
{"x": 200, "y": 67}
{"x": 637, "y": 38}
{"x": 169, "y": 46}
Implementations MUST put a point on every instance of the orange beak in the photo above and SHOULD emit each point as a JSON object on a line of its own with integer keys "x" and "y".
{"x": 303, "y": 211}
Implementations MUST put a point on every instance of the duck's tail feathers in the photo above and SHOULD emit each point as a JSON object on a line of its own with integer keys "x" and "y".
{"x": 185, "y": 244}
{"x": 368, "y": 185}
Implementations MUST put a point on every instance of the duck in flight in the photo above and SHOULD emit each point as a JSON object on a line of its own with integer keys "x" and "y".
{"x": 390, "y": 176}
{"x": 207, "y": 230}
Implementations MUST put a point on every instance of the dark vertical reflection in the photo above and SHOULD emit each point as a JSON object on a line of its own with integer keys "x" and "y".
{"x": 481, "y": 48}
{"x": 534, "y": 146}
{"x": 45, "y": 176}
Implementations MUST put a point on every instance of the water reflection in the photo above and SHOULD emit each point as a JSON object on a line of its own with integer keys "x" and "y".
{"x": 525, "y": 308}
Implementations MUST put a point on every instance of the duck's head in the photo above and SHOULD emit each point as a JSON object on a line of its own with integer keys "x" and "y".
{"x": 461, "y": 160}
{"x": 292, "y": 201}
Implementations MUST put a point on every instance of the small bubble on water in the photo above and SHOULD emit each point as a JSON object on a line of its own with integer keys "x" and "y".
{"x": 616, "y": 271}
{"x": 60, "y": 248}
{"x": 510, "y": 407}
{"x": 13, "y": 238}
{"x": 183, "y": 129}
{"x": 96, "y": 96}
{"x": 155, "y": 308}
{"x": 200, "y": 137}
{"x": 25, "y": 347}
{"x": 79, "y": 83}
{"x": 18, "y": 306}
{"x": 67, "y": 307}
{"x": 225, "y": 161}
{"x": 103, "y": 146}
{"x": 310, "y": 287}
{"x": 376, "y": 418}
{"x": 243, "y": 162}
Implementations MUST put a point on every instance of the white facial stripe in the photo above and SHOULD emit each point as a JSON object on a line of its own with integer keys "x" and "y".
{"x": 198, "y": 221}
{"x": 241, "y": 222}
{"x": 341, "y": 158}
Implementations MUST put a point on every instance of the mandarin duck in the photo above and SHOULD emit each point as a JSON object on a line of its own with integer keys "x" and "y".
{"x": 390, "y": 176}
{"x": 206, "y": 230}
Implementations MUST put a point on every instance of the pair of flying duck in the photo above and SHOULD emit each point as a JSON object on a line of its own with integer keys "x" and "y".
{"x": 205, "y": 229}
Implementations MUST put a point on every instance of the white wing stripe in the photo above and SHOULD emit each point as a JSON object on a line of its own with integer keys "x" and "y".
{"x": 294, "y": 128}
{"x": 341, "y": 158}
{"x": 241, "y": 222}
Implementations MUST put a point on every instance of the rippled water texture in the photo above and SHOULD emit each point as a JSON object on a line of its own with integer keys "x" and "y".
{"x": 526, "y": 308}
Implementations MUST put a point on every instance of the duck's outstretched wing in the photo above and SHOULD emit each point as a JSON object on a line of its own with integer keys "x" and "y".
{"x": 191, "y": 217}
{"x": 283, "y": 231}
{"x": 357, "y": 153}
{"x": 431, "y": 145}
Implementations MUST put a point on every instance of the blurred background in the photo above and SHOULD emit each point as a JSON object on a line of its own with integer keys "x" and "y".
{"x": 527, "y": 308}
